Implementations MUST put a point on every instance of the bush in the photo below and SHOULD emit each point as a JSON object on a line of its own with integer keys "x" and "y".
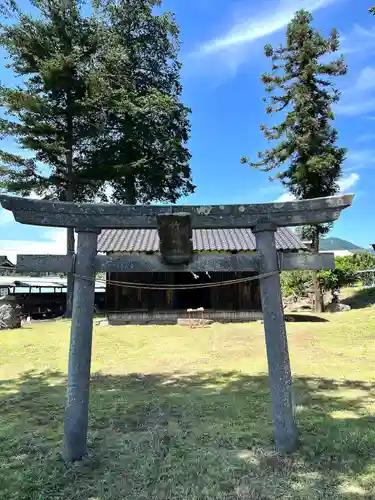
{"x": 344, "y": 274}
{"x": 362, "y": 260}
{"x": 295, "y": 282}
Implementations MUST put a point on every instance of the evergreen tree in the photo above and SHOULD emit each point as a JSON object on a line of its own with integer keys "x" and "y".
{"x": 98, "y": 105}
{"x": 301, "y": 87}
{"x": 146, "y": 124}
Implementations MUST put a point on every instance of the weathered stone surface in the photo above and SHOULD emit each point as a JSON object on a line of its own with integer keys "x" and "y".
{"x": 9, "y": 313}
{"x": 200, "y": 262}
{"x": 45, "y": 263}
{"x": 292, "y": 304}
{"x": 276, "y": 342}
{"x": 337, "y": 307}
{"x": 175, "y": 233}
{"x": 106, "y": 216}
{"x": 306, "y": 261}
{"x": 77, "y": 405}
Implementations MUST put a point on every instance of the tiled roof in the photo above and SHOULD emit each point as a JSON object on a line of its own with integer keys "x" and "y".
{"x": 147, "y": 240}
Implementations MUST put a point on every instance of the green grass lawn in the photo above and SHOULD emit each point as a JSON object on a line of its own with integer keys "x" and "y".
{"x": 185, "y": 414}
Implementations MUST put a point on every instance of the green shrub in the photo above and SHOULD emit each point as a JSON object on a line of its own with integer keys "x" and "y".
{"x": 362, "y": 261}
{"x": 295, "y": 282}
{"x": 344, "y": 274}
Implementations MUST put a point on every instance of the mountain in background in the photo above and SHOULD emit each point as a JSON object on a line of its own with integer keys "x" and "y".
{"x": 331, "y": 244}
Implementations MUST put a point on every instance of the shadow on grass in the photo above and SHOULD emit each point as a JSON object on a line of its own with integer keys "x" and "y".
{"x": 206, "y": 436}
{"x": 364, "y": 297}
{"x": 305, "y": 318}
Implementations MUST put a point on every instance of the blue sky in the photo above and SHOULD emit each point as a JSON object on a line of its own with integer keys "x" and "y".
{"x": 222, "y": 52}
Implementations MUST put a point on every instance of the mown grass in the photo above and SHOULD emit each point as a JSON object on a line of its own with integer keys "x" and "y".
{"x": 359, "y": 298}
{"x": 185, "y": 414}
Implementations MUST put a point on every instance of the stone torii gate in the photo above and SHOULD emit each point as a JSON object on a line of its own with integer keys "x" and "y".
{"x": 175, "y": 225}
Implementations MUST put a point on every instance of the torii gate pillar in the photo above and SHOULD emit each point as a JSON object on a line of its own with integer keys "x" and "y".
{"x": 280, "y": 377}
{"x": 77, "y": 404}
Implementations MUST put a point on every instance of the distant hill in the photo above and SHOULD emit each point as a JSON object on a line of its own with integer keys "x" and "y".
{"x": 331, "y": 244}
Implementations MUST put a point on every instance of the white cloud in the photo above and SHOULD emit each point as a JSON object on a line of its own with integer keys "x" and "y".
{"x": 355, "y": 105}
{"x": 359, "y": 40}
{"x": 55, "y": 243}
{"x": 366, "y": 137}
{"x": 348, "y": 182}
{"x": 260, "y": 25}
{"x": 366, "y": 79}
{"x": 243, "y": 38}
{"x": 345, "y": 184}
{"x": 285, "y": 197}
{"x": 359, "y": 98}
{"x": 361, "y": 158}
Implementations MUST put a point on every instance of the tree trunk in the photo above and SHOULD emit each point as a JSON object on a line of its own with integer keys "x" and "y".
{"x": 130, "y": 190}
{"x": 69, "y": 197}
{"x": 318, "y": 296}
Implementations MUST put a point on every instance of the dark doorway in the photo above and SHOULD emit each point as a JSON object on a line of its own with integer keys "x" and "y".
{"x": 195, "y": 297}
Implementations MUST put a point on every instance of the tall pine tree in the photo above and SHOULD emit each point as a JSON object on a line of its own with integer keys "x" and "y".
{"x": 91, "y": 110}
{"x": 301, "y": 87}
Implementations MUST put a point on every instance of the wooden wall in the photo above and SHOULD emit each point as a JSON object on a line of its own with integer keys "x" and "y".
{"x": 120, "y": 298}
{"x": 239, "y": 296}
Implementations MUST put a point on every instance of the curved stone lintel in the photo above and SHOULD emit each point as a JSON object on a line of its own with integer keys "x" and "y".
{"x": 105, "y": 216}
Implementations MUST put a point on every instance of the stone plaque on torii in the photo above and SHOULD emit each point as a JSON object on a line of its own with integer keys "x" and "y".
{"x": 175, "y": 225}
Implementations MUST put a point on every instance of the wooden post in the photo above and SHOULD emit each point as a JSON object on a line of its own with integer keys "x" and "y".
{"x": 276, "y": 341}
{"x": 76, "y": 412}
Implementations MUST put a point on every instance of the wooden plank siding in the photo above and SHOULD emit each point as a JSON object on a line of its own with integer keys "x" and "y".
{"x": 238, "y": 296}
{"x": 121, "y": 298}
